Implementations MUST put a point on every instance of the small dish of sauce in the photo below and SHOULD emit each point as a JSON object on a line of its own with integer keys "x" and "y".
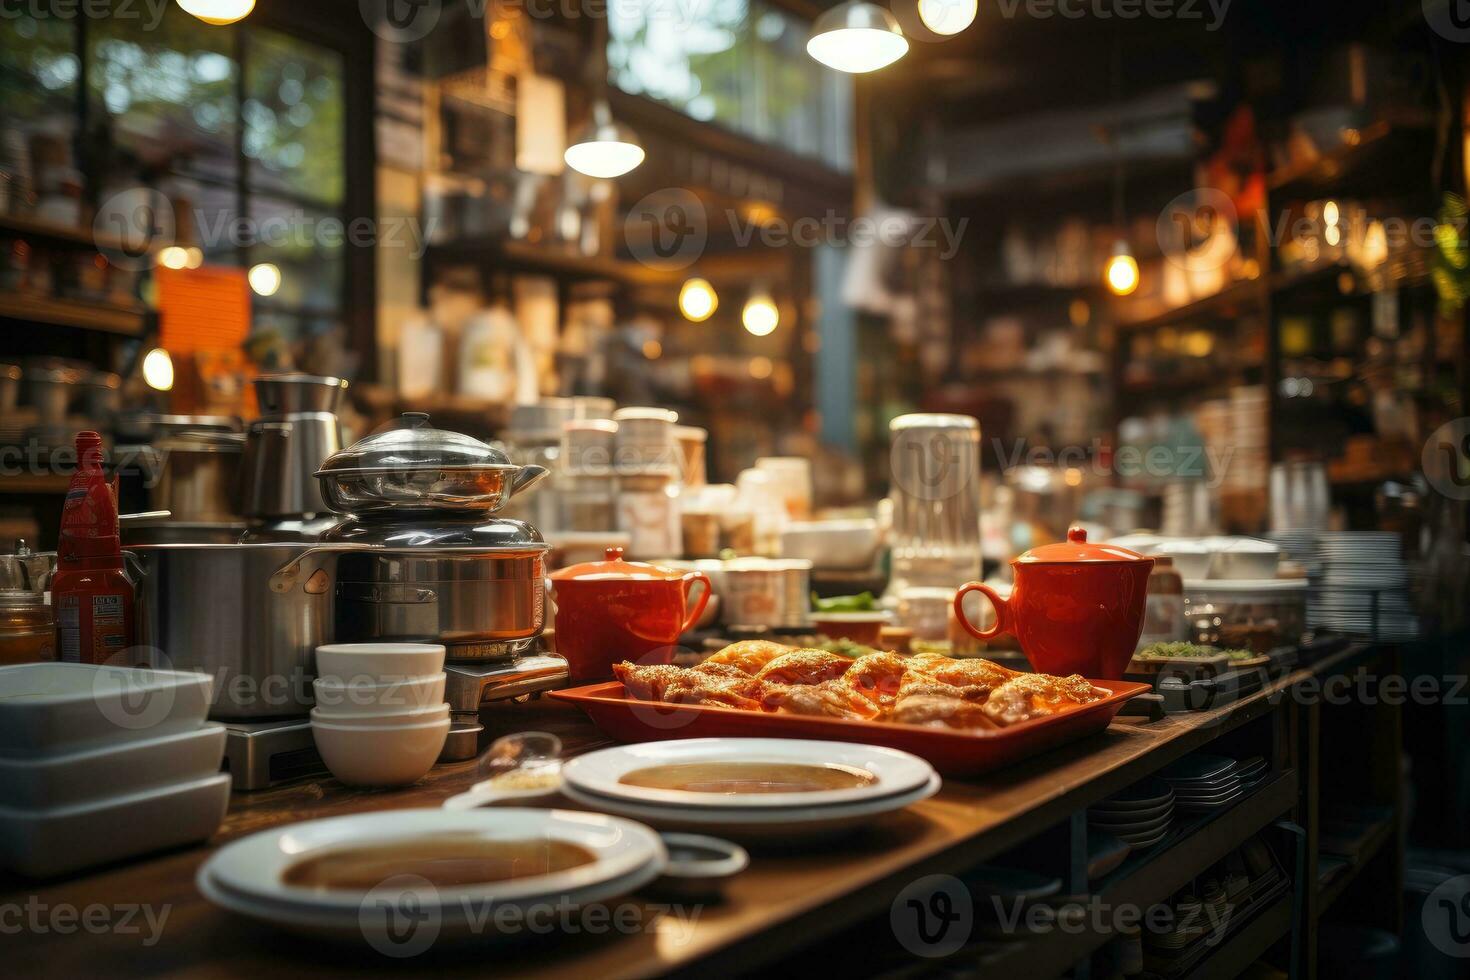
{"x": 732, "y": 778}
{"x": 456, "y": 861}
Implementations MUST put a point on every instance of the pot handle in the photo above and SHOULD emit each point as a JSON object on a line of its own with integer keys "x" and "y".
{"x": 709, "y": 590}
{"x": 526, "y": 478}
{"x": 1002, "y": 611}
{"x": 283, "y": 578}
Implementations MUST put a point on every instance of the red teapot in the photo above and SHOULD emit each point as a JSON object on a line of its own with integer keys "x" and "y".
{"x": 614, "y": 610}
{"x": 1076, "y": 608}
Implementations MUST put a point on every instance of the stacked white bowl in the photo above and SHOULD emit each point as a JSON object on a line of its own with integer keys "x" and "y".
{"x": 380, "y": 717}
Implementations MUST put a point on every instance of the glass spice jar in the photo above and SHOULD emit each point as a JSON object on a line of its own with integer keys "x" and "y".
{"x": 27, "y": 628}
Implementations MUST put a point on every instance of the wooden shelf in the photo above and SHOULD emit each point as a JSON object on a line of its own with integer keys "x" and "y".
{"x": 546, "y": 260}
{"x": 27, "y": 227}
{"x": 1357, "y": 168}
{"x": 1155, "y": 875}
{"x": 129, "y": 322}
{"x": 1248, "y": 943}
{"x": 35, "y": 483}
{"x": 1376, "y": 837}
{"x": 1224, "y": 305}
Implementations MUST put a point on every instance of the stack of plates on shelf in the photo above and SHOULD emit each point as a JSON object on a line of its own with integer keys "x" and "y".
{"x": 750, "y": 788}
{"x": 1252, "y": 771}
{"x": 1203, "y": 783}
{"x": 360, "y": 876}
{"x": 1363, "y": 571}
{"x": 1299, "y": 545}
{"x": 1141, "y": 815}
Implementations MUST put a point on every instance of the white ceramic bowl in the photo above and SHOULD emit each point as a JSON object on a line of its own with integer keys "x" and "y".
{"x": 1191, "y": 558}
{"x": 364, "y": 696}
{"x": 382, "y": 717}
{"x": 374, "y": 662}
{"x": 55, "y": 708}
{"x": 379, "y": 755}
{"x": 845, "y": 544}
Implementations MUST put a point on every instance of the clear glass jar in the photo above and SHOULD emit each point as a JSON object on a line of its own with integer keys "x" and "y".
{"x": 27, "y": 628}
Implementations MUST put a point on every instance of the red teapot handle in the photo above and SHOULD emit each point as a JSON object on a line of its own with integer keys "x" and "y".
{"x": 1002, "y": 611}
{"x": 689, "y": 580}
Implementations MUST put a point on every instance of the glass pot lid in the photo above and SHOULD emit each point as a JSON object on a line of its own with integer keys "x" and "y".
{"x": 411, "y": 444}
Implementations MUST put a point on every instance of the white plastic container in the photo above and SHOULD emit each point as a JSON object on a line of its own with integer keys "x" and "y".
{"x": 54, "y": 708}
{"x": 54, "y": 841}
{"x": 110, "y": 770}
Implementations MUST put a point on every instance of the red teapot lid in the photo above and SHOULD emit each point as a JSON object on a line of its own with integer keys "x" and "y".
{"x": 1077, "y": 549}
{"x": 615, "y": 568}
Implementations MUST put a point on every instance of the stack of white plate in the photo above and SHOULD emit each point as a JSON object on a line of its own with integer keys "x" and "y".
{"x": 103, "y": 763}
{"x": 405, "y": 911}
{"x": 1299, "y": 545}
{"x": 1364, "y": 586}
{"x": 1141, "y": 815}
{"x": 1203, "y": 783}
{"x": 380, "y": 717}
{"x": 751, "y": 812}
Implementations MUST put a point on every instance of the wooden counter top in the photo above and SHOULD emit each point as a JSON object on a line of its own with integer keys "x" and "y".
{"x": 783, "y": 902}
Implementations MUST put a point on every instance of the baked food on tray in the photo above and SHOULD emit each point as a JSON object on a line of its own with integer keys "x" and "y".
{"x": 926, "y": 689}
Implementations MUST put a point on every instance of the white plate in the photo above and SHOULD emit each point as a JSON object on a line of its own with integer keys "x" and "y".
{"x": 598, "y": 772}
{"x": 54, "y": 708}
{"x": 113, "y": 768}
{"x": 254, "y": 866}
{"x": 784, "y": 824}
{"x": 455, "y": 920}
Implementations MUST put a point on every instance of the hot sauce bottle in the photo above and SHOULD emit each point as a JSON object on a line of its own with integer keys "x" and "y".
{"x": 91, "y": 591}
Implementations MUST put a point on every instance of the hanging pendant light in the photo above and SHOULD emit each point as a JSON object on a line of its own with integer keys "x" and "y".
{"x": 218, "y": 12}
{"x": 1122, "y": 270}
{"x": 604, "y": 148}
{"x": 948, "y": 16}
{"x": 857, "y": 37}
{"x": 760, "y": 316}
{"x": 698, "y": 300}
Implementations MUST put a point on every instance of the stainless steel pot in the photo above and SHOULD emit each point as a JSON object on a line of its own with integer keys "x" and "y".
{"x": 249, "y": 615}
{"x": 293, "y": 394}
{"x": 479, "y": 588}
{"x": 199, "y": 476}
{"x": 280, "y": 457}
{"x": 413, "y": 468}
{"x": 481, "y": 606}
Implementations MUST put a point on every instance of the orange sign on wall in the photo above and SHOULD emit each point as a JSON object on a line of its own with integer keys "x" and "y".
{"x": 203, "y": 321}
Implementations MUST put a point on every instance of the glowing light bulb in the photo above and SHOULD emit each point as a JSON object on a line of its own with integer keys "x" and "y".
{"x": 760, "y": 315}
{"x": 218, "y": 12}
{"x": 265, "y": 279}
{"x": 174, "y": 257}
{"x": 948, "y": 16}
{"x": 1122, "y": 271}
{"x": 158, "y": 369}
{"x": 857, "y": 37}
{"x": 697, "y": 300}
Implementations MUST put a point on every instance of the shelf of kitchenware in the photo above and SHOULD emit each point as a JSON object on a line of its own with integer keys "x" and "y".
{"x": 1374, "y": 839}
{"x": 85, "y": 237}
{"x": 549, "y": 260}
{"x": 1381, "y": 145}
{"x": 102, "y": 317}
{"x": 1247, "y": 943}
{"x": 1158, "y": 873}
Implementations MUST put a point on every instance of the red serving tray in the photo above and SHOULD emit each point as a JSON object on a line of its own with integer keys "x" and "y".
{"x": 952, "y": 752}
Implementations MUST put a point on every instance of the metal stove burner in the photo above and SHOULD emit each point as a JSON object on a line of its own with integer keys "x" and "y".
{"x": 470, "y": 684}
{"x": 262, "y": 754}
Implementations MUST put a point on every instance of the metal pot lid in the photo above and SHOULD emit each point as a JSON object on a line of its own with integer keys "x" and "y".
{"x": 491, "y": 534}
{"x": 412, "y": 444}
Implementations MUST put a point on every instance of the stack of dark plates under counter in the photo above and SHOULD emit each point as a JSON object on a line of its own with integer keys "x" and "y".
{"x": 1203, "y": 783}
{"x": 1141, "y": 815}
